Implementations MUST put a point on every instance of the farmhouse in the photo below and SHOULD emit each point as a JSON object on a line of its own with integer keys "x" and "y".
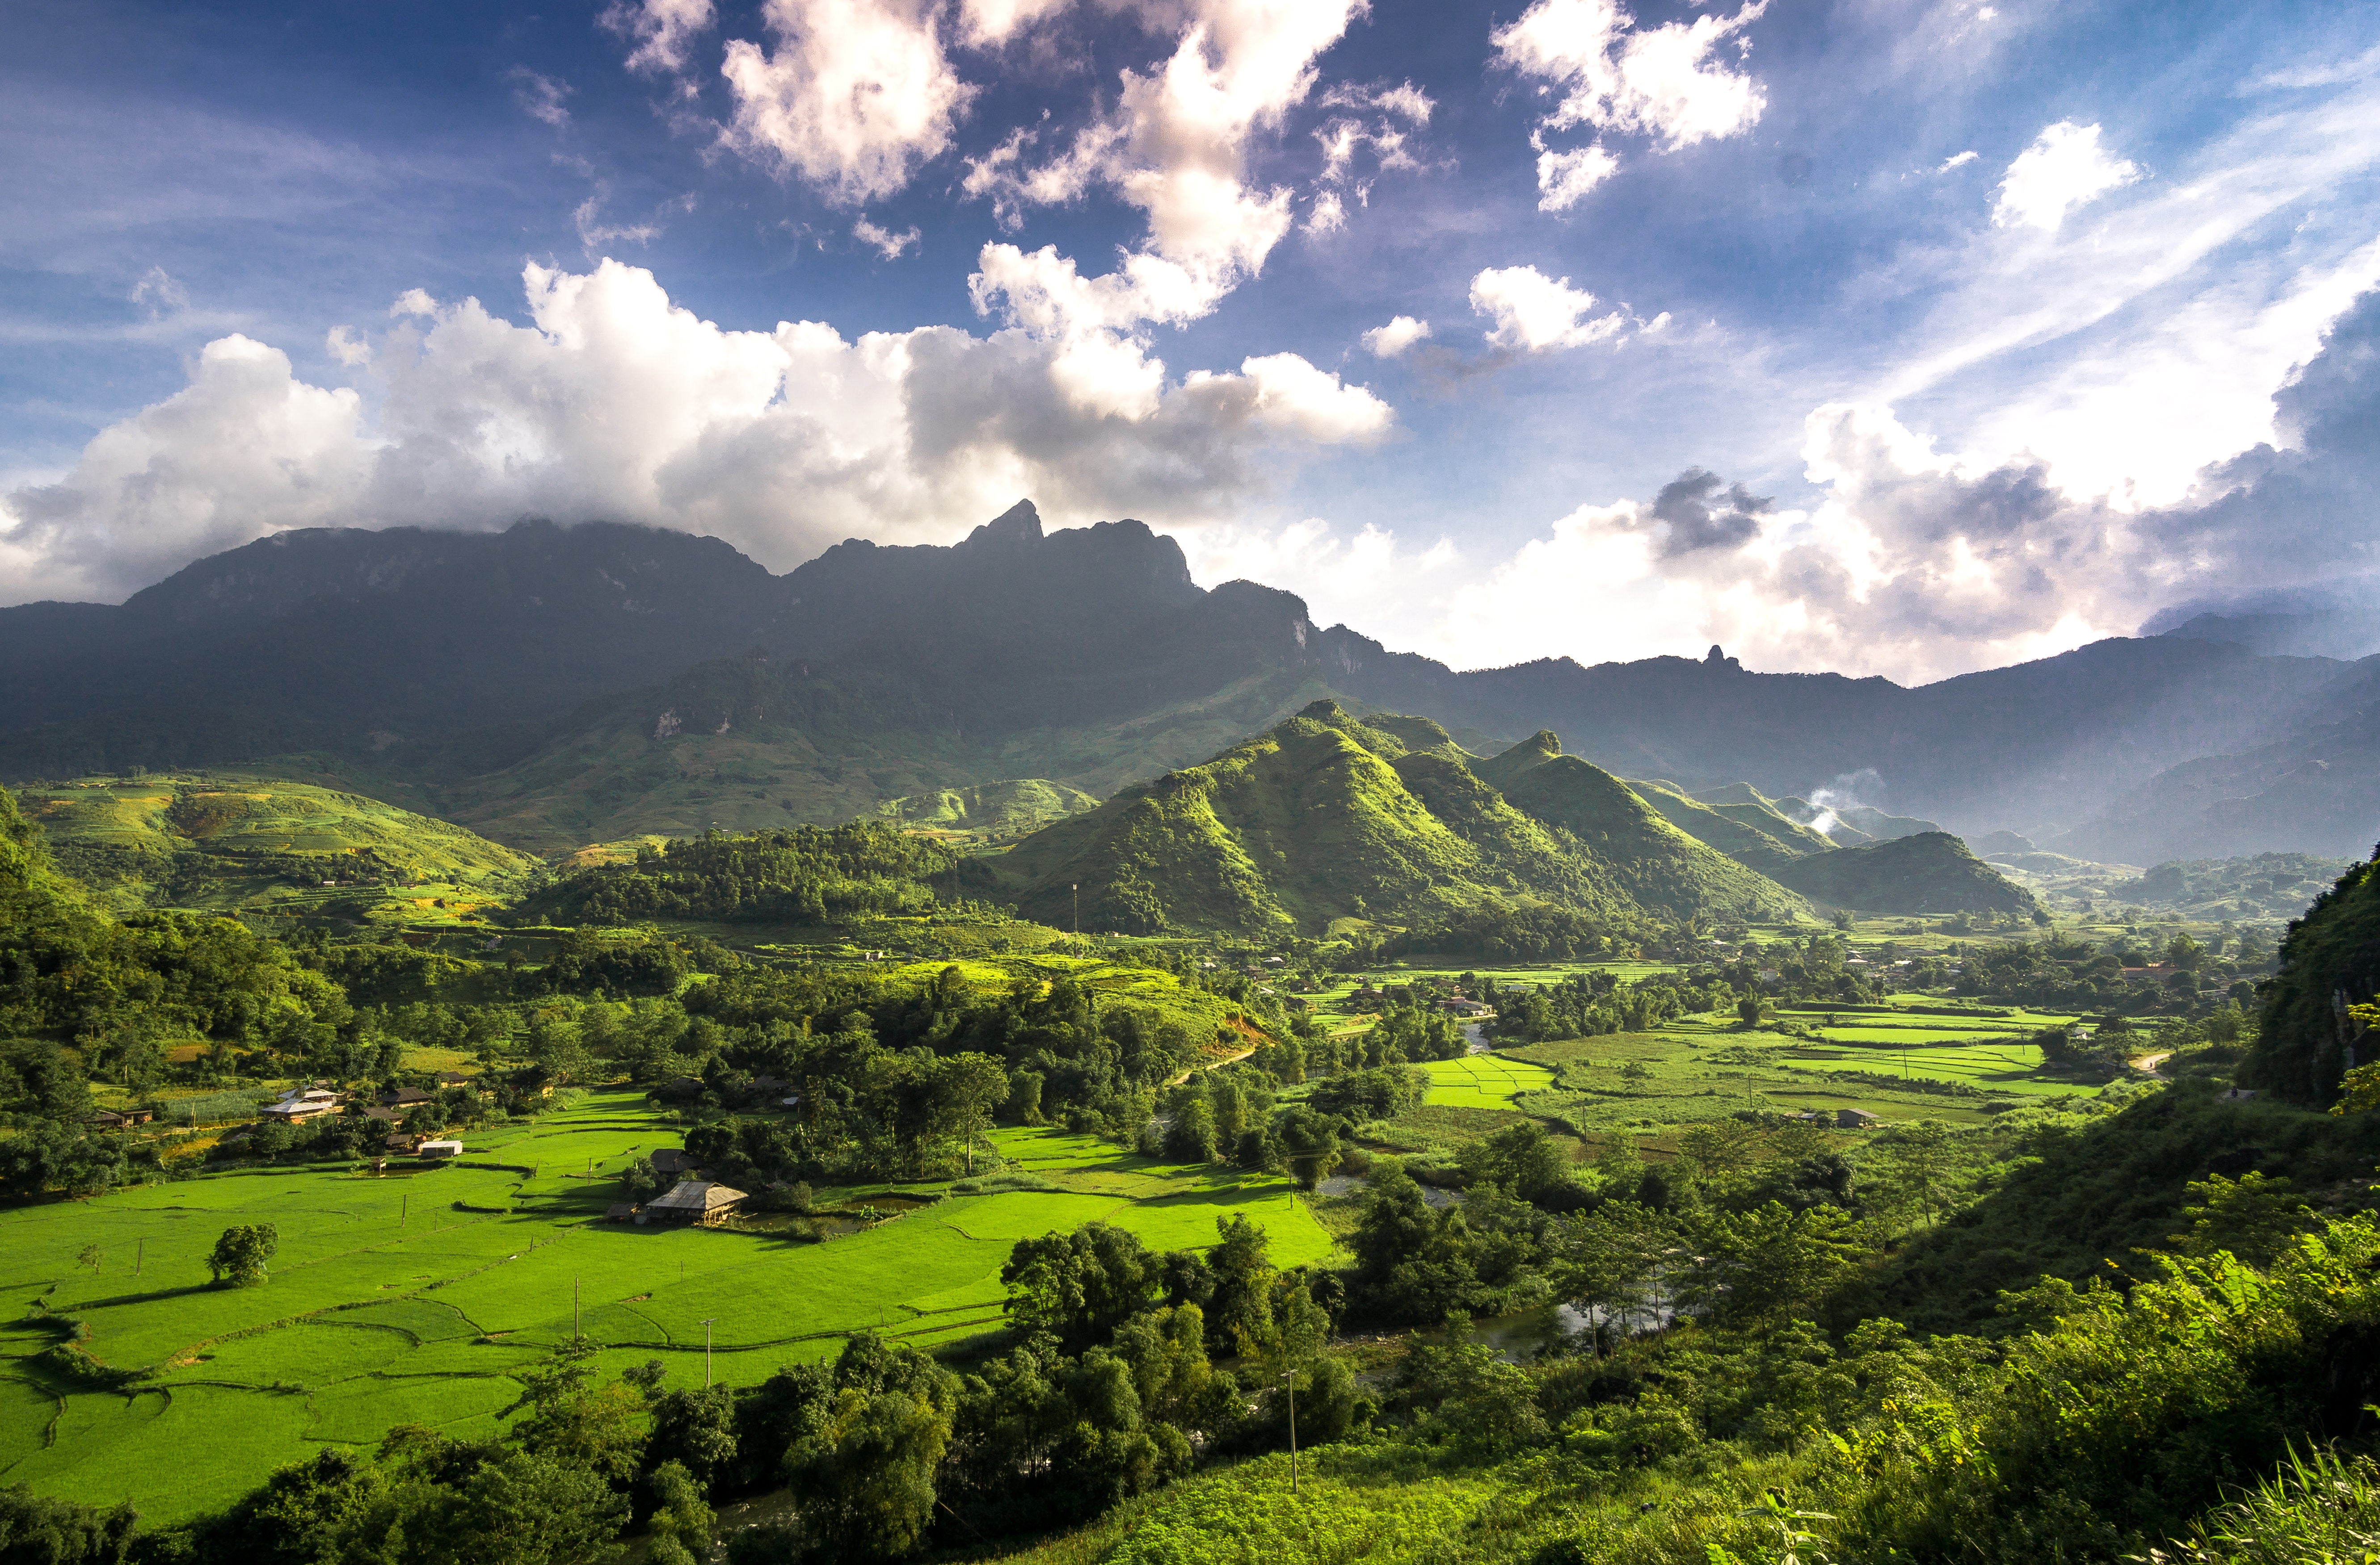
{"x": 452, "y": 1079}
{"x": 403, "y": 1097}
{"x": 301, "y": 1104}
{"x": 695, "y": 1201}
{"x": 113, "y": 1119}
{"x": 672, "y": 1161}
{"x": 440, "y": 1149}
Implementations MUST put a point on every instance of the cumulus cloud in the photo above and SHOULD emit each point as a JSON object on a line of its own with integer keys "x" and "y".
{"x": 1916, "y": 565}
{"x": 1175, "y": 145}
{"x": 1533, "y": 312}
{"x": 661, "y": 30}
{"x": 1605, "y": 72}
{"x": 2064, "y": 168}
{"x": 855, "y": 94}
{"x": 614, "y": 402}
{"x": 1400, "y": 333}
{"x": 885, "y": 242}
{"x": 1564, "y": 178}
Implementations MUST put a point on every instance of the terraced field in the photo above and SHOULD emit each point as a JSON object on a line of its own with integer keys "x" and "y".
{"x": 420, "y": 1298}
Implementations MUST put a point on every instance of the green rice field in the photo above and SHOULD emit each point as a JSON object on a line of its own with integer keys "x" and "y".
{"x": 420, "y": 1297}
{"x": 1483, "y": 1081}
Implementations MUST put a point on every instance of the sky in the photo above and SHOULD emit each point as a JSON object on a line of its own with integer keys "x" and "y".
{"x": 1901, "y": 339}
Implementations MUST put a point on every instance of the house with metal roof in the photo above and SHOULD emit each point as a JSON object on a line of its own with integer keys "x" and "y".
{"x": 695, "y": 1201}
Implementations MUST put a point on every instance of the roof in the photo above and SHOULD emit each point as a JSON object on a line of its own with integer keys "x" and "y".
{"x": 619, "y": 1211}
{"x": 452, "y": 1079}
{"x": 671, "y": 1159}
{"x": 385, "y": 1116}
{"x": 694, "y": 1196}
{"x": 405, "y": 1095}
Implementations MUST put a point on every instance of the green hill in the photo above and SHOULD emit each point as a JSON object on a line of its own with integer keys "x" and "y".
{"x": 989, "y": 810}
{"x": 1325, "y": 816}
{"x": 1665, "y": 869}
{"x": 226, "y": 841}
{"x": 1932, "y": 872}
{"x": 1756, "y": 835}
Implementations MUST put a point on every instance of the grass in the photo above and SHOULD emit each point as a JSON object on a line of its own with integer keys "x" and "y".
{"x": 388, "y": 1305}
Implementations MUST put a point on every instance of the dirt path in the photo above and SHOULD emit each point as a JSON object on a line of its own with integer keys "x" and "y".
{"x": 1213, "y": 1062}
{"x": 2153, "y": 1063}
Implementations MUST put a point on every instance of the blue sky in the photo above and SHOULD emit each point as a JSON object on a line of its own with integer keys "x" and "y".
{"x": 1903, "y": 339}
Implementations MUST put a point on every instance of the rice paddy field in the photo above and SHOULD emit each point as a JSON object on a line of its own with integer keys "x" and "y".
{"x": 420, "y": 1297}
{"x": 1484, "y": 1081}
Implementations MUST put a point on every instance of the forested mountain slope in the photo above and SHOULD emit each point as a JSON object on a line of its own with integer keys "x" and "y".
{"x": 1327, "y": 816}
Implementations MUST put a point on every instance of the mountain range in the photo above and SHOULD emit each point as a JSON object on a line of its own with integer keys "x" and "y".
{"x": 554, "y": 686}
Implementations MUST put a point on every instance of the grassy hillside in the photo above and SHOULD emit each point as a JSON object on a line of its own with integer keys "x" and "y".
{"x": 229, "y": 841}
{"x": 1326, "y": 815}
{"x": 1932, "y": 872}
{"x": 989, "y": 809}
{"x": 1753, "y": 836}
{"x": 1663, "y": 868}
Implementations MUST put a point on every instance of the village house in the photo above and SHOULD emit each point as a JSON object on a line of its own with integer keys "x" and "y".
{"x": 406, "y": 1097}
{"x": 693, "y": 1200}
{"x": 675, "y": 1160}
{"x": 439, "y": 1149}
{"x": 109, "y": 1118}
{"x": 300, "y": 1104}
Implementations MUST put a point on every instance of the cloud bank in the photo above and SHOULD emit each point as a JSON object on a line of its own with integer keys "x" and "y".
{"x": 614, "y": 402}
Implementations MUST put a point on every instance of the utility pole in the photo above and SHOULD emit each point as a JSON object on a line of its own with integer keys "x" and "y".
{"x": 574, "y": 1312}
{"x": 706, "y": 1353}
{"x": 1076, "y": 888}
{"x": 403, "y": 1203}
{"x": 139, "y": 1249}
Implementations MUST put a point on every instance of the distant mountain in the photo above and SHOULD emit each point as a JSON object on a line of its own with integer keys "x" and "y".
{"x": 1325, "y": 816}
{"x": 1932, "y": 872}
{"x": 549, "y": 684}
{"x": 2308, "y": 790}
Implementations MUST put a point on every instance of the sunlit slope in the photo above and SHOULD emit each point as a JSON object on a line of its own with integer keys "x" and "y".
{"x": 989, "y": 808}
{"x": 227, "y": 840}
{"x": 1755, "y": 834}
{"x": 1661, "y": 867}
{"x": 1325, "y": 816}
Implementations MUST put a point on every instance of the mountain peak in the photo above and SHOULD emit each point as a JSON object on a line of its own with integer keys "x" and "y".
{"x": 1019, "y": 523}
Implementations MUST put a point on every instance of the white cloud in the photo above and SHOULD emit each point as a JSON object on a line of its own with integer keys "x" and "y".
{"x": 992, "y": 22}
{"x": 1533, "y": 312}
{"x": 1956, "y": 160}
{"x": 1564, "y": 178}
{"x": 1343, "y": 580}
{"x": 663, "y": 30}
{"x": 855, "y": 95}
{"x": 614, "y": 402}
{"x": 1662, "y": 83}
{"x": 1400, "y": 333}
{"x": 1328, "y": 215}
{"x": 342, "y": 343}
{"x": 159, "y": 292}
{"x": 885, "y": 242}
{"x": 540, "y": 96}
{"x": 2064, "y": 168}
{"x": 594, "y": 233}
{"x": 1176, "y": 145}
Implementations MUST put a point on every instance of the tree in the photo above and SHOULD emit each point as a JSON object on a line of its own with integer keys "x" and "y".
{"x": 1521, "y": 1158}
{"x": 589, "y": 1428}
{"x": 2250, "y": 1216}
{"x": 239, "y": 1255}
{"x": 1191, "y": 1138}
{"x": 972, "y": 1084}
{"x": 42, "y": 1531}
{"x": 1921, "y": 1159}
{"x": 1721, "y": 1150}
{"x": 1607, "y": 1259}
{"x": 864, "y": 1476}
{"x": 1079, "y": 1287}
{"x": 1768, "y": 1264}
